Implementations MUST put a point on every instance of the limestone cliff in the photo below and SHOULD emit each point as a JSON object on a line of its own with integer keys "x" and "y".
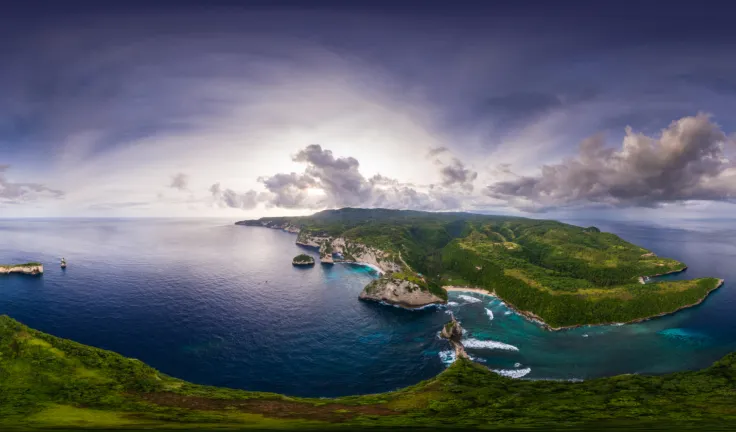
{"x": 399, "y": 292}
{"x": 30, "y": 269}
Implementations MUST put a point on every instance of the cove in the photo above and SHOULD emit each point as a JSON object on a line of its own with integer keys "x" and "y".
{"x": 222, "y": 305}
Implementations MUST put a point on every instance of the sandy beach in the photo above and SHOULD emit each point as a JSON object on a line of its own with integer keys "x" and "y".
{"x": 468, "y": 289}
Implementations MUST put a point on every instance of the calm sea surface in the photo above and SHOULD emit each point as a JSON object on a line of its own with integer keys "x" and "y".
{"x": 219, "y": 304}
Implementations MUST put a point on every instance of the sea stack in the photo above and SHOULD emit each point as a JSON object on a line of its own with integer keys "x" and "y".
{"x": 453, "y": 332}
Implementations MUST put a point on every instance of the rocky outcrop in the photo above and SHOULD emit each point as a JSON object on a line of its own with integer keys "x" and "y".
{"x": 29, "y": 269}
{"x": 453, "y": 332}
{"x": 325, "y": 253}
{"x": 399, "y": 292}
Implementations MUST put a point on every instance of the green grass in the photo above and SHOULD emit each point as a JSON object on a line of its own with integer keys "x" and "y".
{"x": 48, "y": 382}
{"x": 29, "y": 264}
{"x": 564, "y": 274}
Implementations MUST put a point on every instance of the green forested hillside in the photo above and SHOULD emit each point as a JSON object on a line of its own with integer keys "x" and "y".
{"x": 47, "y": 382}
{"x": 565, "y": 275}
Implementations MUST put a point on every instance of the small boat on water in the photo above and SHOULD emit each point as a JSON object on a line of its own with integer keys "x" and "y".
{"x": 63, "y": 263}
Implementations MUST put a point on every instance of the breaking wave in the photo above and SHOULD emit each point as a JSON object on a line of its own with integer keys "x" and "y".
{"x": 489, "y": 313}
{"x": 469, "y": 299}
{"x": 489, "y": 344}
{"x": 447, "y": 357}
{"x": 512, "y": 373}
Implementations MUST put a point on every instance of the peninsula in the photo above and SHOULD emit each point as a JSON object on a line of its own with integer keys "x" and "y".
{"x": 31, "y": 268}
{"x": 558, "y": 274}
{"x": 52, "y": 383}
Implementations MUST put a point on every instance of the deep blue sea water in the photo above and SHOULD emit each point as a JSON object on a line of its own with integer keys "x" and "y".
{"x": 219, "y": 304}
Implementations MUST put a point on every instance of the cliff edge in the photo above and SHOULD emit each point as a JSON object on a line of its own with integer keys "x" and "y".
{"x": 399, "y": 292}
{"x": 28, "y": 268}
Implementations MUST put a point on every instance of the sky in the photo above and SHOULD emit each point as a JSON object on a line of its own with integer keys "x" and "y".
{"x": 238, "y": 109}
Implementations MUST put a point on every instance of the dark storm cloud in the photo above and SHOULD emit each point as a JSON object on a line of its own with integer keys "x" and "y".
{"x": 180, "y": 182}
{"x": 688, "y": 161}
{"x": 457, "y": 174}
{"x": 14, "y": 192}
{"x": 229, "y": 198}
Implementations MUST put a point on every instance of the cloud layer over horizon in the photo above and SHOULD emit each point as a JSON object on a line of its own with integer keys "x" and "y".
{"x": 209, "y": 111}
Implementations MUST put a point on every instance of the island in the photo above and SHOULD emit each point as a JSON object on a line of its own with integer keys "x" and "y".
{"x": 51, "y": 383}
{"x": 302, "y": 260}
{"x": 31, "y": 268}
{"x": 556, "y": 274}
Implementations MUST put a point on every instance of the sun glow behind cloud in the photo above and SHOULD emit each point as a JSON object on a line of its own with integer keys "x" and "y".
{"x": 117, "y": 107}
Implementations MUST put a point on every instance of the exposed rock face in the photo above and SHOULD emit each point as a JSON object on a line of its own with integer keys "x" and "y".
{"x": 453, "y": 332}
{"x": 399, "y": 292}
{"x": 325, "y": 253}
{"x": 360, "y": 253}
{"x": 23, "y": 269}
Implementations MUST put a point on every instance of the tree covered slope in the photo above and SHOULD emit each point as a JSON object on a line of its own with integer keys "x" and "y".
{"x": 562, "y": 274}
{"x": 49, "y": 382}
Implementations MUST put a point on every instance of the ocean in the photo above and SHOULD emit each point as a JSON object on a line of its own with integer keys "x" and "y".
{"x": 219, "y": 304}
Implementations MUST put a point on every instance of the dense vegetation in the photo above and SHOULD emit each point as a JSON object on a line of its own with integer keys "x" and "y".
{"x": 49, "y": 382}
{"x": 565, "y": 275}
{"x": 302, "y": 259}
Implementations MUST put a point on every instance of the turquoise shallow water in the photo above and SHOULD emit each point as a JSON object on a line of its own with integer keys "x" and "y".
{"x": 220, "y": 304}
{"x": 690, "y": 339}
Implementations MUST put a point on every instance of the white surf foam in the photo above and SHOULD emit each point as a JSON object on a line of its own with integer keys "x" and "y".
{"x": 452, "y": 303}
{"x": 517, "y": 364}
{"x": 489, "y": 313}
{"x": 447, "y": 357}
{"x": 512, "y": 373}
{"x": 507, "y": 313}
{"x": 374, "y": 267}
{"x": 475, "y": 343}
{"x": 469, "y": 299}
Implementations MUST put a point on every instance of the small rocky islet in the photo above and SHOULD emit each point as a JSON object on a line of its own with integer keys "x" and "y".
{"x": 302, "y": 260}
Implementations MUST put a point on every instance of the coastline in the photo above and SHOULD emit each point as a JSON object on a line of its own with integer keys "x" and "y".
{"x": 531, "y": 316}
{"x": 371, "y": 266}
{"x": 643, "y": 281}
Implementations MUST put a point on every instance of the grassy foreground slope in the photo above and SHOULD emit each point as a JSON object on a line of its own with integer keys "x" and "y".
{"x": 564, "y": 274}
{"x": 49, "y": 382}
